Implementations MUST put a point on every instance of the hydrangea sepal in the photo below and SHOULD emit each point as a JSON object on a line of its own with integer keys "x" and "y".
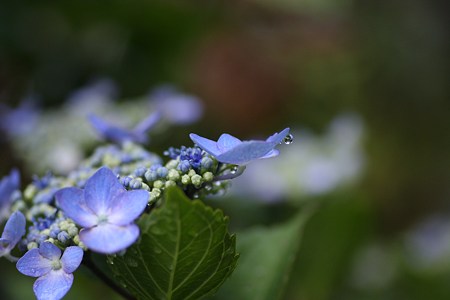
{"x": 185, "y": 252}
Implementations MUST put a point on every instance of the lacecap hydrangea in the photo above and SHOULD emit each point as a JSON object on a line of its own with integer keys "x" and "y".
{"x": 56, "y": 221}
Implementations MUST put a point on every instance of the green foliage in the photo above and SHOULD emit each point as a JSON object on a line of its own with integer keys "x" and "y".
{"x": 185, "y": 252}
{"x": 267, "y": 256}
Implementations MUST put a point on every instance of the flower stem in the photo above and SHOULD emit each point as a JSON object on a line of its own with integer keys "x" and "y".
{"x": 87, "y": 261}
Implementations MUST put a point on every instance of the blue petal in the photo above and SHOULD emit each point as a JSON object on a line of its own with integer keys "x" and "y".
{"x": 148, "y": 123}
{"x": 8, "y": 185}
{"x": 50, "y": 251}
{"x": 206, "y": 144}
{"x": 71, "y": 201}
{"x": 100, "y": 189}
{"x": 272, "y": 153}
{"x": 53, "y": 286}
{"x": 71, "y": 258}
{"x": 34, "y": 264}
{"x": 111, "y": 132}
{"x": 109, "y": 238}
{"x": 14, "y": 229}
{"x": 4, "y": 246}
{"x": 227, "y": 142}
{"x": 278, "y": 137}
{"x": 127, "y": 206}
{"x": 246, "y": 152}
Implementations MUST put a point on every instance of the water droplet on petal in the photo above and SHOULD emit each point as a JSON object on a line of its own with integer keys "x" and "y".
{"x": 234, "y": 170}
{"x": 289, "y": 139}
{"x": 109, "y": 260}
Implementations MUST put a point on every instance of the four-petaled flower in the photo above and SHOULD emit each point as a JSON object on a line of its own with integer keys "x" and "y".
{"x": 105, "y": 210}
{"x": 12, "y": 233}
{"x": 8, "y": 185}
{"x": 231, "y": 150}
{"x": 54, "y": 271}
{"x": 120, "y": 135}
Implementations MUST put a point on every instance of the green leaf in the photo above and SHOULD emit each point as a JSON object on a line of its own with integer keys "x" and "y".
{"x": 266, "y": 259}
{"x": 185, "y": 252}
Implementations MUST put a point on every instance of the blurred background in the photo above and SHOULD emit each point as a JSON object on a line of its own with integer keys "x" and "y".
{"x": 363, "y": 85}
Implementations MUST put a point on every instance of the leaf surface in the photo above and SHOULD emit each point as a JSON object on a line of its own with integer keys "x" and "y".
{"x": 185, "y": 252}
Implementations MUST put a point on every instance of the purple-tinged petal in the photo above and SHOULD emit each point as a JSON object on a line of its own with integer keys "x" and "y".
{"x": 227, "y": 142}
{"x": 109, "y": 238}
{"x": 277, "y": 138}
{"x": 71, "y": 201}
{"x": 246, "y": 152}
{"x": 50, "y": 251}
{"x": 71, "y": 258}
{"x": 110, "y": 132}
{"x": 14, "y": 229}
{"x": 272, "y": 153}
{"x": 127, "y": 206}
{"x": 100, "y": 189}
{"x": 53, "y": 286}
{"x": 206, "y": 144}
{"x": 148, "y": 123}
{"x": 34, "y": 264}
{"x": 8, "y": 185}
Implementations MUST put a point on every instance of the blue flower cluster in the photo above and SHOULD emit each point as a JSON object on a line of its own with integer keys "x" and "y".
{"x": 94, "y": 207}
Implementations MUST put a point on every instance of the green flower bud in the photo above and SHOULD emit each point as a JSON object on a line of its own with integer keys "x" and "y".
{"x": 197, "y": 180}
{"x": 173, "y": 175}
{"x": 208, "y": 176}
{"x": 185, "y": 179}
{"x": 158, "y": 184}
{"x": 170, "y": 183}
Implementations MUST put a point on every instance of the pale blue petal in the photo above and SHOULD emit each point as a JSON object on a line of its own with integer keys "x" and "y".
{"x": 227, "y": 142}
{"x": 110, "y": 132}
{"x": 5, "y": 246}
{"x": 53, "y": 286}
{"x": 206, "y": 144}
{"x": 34, "y": 264}
{"x": 278, "y": 137}
{"x": 148, "y": 123}
{"x": 50, "y": 251}
{"x": 127, "y": 206}
{"x": 8, "y": 185}
{"x": 109, "y": 238}
{"x": 272, "y": 153}
{"x": 72, "y": 258}
{"x": 14, "y": 229}
{"x": 100, "y": 189}
{"x": 71, "y": 201}
{"x": 246, "y": 152}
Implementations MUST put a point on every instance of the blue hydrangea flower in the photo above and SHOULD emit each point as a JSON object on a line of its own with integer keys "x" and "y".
{"x": 105, "y": 210}
{"x": 12, "y": 233}
{"x": 8, "y": 185}
{"x": 231, "y": 150}
{"x": 54, "y": 271}
{"x": 120, "y": 135}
